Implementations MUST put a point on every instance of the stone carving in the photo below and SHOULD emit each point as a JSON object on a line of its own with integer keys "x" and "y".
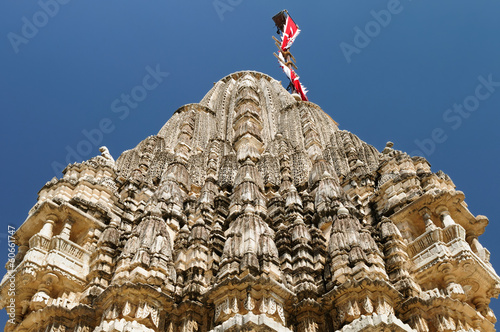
{"x": 105, "y": 153}
{"x": 252, "y": 211}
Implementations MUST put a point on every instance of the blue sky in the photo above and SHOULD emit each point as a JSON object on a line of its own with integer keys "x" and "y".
{"x": 425, "y": 79}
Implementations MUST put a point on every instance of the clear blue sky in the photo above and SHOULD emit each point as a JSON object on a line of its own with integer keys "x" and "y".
{"x": 398, "y": 83}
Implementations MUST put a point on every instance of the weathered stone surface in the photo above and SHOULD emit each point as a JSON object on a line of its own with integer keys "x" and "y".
{"x": 251, "y": 211}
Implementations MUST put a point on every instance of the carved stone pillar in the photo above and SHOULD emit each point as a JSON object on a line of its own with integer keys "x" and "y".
{"x": 429, "y": 224}
{"x": 21, "y": 251}
{"x": 66, "y": 231}
{"x": 42, "y": 296}
{"x": 455, "y": 290}
{"x": 475, "y": 245}
{"x": 445, "y": 216}
{"x": 482, "y": 306}
{"x": 48, "y": 227}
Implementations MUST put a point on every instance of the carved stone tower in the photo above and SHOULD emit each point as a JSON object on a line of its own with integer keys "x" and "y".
{"x": 251, "y": 211}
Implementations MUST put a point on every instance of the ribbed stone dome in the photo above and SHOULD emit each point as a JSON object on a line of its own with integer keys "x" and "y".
{"x": 214, "y": 116}
{"x": 278, "y": 120}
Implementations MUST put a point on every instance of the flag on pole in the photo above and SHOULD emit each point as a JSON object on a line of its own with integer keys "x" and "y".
{"x": 283, "y": 66}
{"x": 290, "y": 32}
{"x": 299, "y": 87}
{"x": 294, "y": 78}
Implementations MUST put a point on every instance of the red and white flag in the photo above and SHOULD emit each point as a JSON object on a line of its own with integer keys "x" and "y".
{"x": 290, "y": 32}
{"x": 294, "y": 78}
{"x": 283, "y": 66}
{"x": 299, "y": 87}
